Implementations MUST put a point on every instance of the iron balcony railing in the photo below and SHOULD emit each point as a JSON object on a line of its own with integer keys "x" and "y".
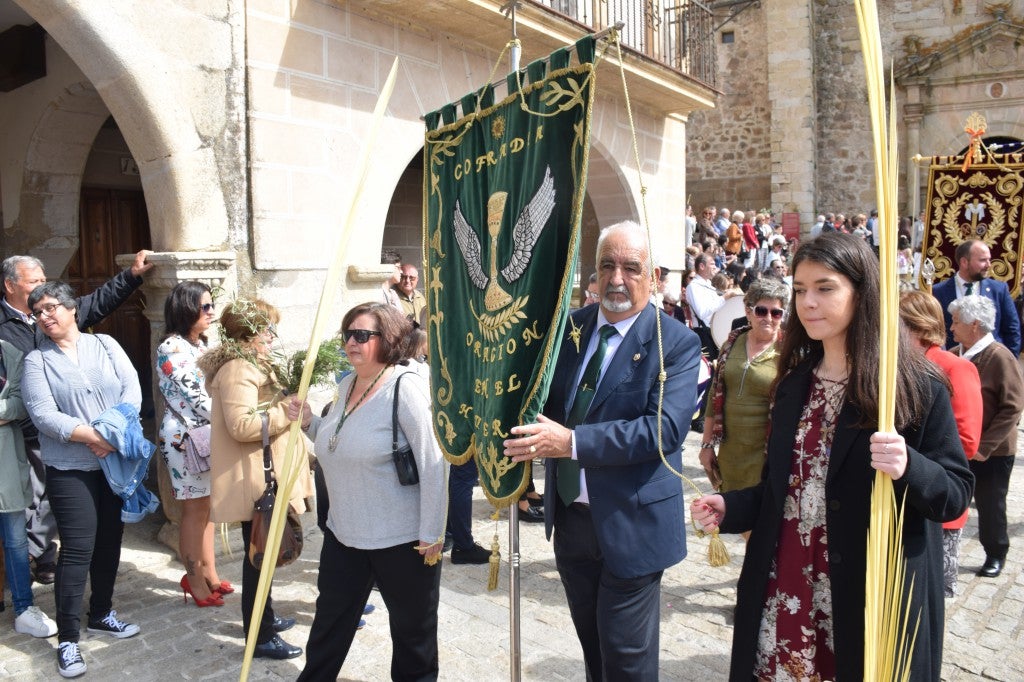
{"x": 678, "y": 33}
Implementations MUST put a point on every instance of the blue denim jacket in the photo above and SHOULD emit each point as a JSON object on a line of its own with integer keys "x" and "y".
{"x": 126, "y": 467}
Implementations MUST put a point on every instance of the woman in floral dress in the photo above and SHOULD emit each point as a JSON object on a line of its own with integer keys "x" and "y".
{"x": 188, "y": 313}
{"x": 800, "y": 597}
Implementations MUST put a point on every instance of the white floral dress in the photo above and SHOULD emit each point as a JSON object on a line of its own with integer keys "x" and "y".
{"x": 795, "y": 640}
{"x": 188, "y": 405}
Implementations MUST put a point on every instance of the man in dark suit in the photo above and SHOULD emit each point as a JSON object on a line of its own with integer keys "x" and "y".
{"x": 616, "y": 509}
{"x": 973, "y": 259}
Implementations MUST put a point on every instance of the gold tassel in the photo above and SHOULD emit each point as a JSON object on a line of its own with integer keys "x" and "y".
{"x": 495, "y": 562}
{"x": 718, "y": 555}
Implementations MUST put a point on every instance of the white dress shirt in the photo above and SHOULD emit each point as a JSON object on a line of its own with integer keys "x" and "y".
{"x": 614, "y": 341}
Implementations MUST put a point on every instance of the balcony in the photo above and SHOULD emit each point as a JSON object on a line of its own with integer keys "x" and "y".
{"x": 677, "y": 33}
{"x": 668, "y": 49}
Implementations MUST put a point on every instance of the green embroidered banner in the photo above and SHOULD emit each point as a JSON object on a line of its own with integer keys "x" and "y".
{"x": 503, "y": 189}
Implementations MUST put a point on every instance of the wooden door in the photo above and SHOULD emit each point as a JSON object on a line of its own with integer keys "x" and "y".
{"x": 113, "y": 222}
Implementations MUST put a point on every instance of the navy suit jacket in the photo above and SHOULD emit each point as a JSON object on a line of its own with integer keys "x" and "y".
{"x": 636, "y": 502}
{"x": 1007, "y": 330}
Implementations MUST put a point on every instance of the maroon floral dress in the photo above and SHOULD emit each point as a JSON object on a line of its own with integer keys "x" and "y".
{"x": 795, "y": 638}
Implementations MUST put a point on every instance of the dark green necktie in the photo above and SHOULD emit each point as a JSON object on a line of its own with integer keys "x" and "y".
{"x": 969, "y": 288}
{"x": 568, "y": 468}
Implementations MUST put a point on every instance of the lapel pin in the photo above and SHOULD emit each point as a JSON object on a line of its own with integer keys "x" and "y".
{"x": 636, "y": 357}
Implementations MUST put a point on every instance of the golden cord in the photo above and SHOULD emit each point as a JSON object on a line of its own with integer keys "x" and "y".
{"x": 718, "y": 555}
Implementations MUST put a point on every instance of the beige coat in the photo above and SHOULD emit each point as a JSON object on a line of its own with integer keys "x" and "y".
{"x": 236, "y": 460}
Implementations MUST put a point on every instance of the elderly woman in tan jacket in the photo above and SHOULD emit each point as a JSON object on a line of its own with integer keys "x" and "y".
{"x": 242, "y": 384}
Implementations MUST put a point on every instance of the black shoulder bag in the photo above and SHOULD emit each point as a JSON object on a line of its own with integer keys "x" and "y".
{"x": 405, "y": 463}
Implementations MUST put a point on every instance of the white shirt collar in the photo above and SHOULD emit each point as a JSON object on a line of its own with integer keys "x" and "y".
{"x": 980, "y": 345}
{"x": 27, "y": 319}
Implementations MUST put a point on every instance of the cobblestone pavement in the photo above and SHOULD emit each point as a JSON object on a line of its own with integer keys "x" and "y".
{"x": 179, "y": 641}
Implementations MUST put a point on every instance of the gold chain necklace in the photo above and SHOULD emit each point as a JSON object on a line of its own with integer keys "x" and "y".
{"x": 332, "y": 442}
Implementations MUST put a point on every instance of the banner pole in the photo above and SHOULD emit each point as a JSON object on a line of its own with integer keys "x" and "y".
{"x": 515, "y": 664}
{"x": 515, "y": 658}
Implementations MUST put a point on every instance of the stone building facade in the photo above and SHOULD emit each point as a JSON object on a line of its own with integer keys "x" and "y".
{"x": 809, "y": 150}
{"x": 235, "y": 126}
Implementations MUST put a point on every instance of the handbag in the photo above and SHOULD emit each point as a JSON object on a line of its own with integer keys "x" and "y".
{"x": 194, "y": 446}
{"x": 263, "y": 510}
{"x": 195, "y": 449}
{"x": 405, "y": 462}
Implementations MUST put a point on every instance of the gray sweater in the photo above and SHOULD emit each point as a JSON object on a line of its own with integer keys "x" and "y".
{"x": 369, "y": 509}
{"x": 61, "y": 395}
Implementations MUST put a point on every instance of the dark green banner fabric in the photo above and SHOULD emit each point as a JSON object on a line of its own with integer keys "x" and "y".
{"x": 503, "y": 191}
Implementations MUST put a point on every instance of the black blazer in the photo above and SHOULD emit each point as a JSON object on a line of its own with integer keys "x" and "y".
{"x": 937, "y": 485}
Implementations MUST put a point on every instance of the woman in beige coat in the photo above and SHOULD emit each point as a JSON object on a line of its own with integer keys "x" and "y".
{"x": 242, "y": 385}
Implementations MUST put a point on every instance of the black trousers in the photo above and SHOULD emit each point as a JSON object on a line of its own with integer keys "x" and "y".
{"x": 616, "y": 619}
{"x": 250, "y": 580}
{"x": 410, "y": 589}
{"x": 991, "y": 483}
{"x": 88, "y": 517}
{"x": 42, "y": 526}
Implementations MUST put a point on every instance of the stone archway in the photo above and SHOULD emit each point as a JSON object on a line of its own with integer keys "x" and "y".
{"x": 128, "y": 71}
{"x": 47, "y": 224}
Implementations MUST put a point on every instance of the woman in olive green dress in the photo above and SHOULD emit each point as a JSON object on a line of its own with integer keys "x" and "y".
{"x": 737, "y": 417}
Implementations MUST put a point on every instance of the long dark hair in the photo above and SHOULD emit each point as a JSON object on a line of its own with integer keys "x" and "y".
{"x": 181, "y": 308}
{"x": 851, "y": 257}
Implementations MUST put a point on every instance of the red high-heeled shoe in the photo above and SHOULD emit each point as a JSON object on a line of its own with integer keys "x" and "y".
{"x": 224, "y": 588}
{"x": 213, "y": 600}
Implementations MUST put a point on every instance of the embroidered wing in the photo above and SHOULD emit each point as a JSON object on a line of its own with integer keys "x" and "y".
{"x": 529, "y": 226}
{"x": 469, "y": 245}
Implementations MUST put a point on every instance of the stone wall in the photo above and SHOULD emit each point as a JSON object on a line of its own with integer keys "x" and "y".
{"x": 929, "y": 122}
{"x": 728, "y": 149}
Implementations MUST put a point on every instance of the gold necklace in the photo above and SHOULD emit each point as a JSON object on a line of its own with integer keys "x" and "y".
{"x": 332, "y": 442}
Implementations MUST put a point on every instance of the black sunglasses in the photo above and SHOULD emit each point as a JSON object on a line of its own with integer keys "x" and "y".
{"x": 360, "y": 335}
{"x": 761, "y": 311}
{"x": 206, "y": 307}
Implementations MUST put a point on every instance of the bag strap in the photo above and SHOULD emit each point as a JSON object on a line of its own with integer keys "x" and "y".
{"x": 268, "y": 461}
{"x": 394, "y": 416}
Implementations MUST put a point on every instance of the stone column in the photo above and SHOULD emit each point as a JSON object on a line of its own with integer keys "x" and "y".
{"x": 211, "y": 268}
{"x": 913, "y": 114}
{"x": 791, "y": 87}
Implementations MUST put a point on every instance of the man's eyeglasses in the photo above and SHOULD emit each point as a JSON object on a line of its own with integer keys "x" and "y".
{"x": 411, "y": 278}
{"x": 206, "y": 307}
{"x": 360, "y": 335}
{"x": 46, "y": 309}
{"x": 762, "y": 311}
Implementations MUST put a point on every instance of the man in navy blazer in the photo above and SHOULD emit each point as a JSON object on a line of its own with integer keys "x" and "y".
{"x": 973, "y": 259}
{"x": 626, "y": 526}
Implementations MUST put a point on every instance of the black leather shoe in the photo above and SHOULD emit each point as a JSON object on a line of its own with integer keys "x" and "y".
{"x": 448, "y": 544}
{"x": 532, "y": 514}
{"x": 474, "y": 555}
{"x": 282, "y": 624}
{"x": 278, "y": 649}
{"x": 991, "y": 568}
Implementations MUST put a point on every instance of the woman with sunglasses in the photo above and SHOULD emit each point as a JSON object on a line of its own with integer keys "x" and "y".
{"x": 188, "y": 313}
{"x": 243, "y": 387}
{"x": 378, "y": 530}
{"x": 801, "y": 593}
{"x": 736, "y": 422}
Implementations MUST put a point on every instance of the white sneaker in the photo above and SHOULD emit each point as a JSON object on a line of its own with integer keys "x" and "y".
{"x": 69, "y": 660}
{"x": 34, "y": 622}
